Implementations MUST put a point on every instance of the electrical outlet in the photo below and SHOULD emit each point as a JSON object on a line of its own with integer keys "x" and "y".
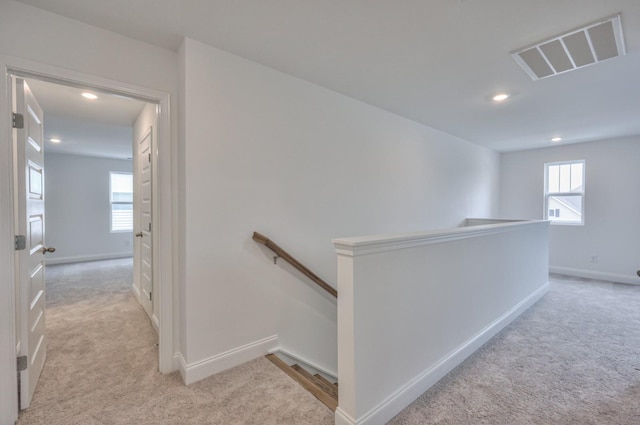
{"x": 594, "y": 258}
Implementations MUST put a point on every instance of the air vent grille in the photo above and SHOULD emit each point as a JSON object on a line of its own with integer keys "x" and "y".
{"x": 585, "y": 46}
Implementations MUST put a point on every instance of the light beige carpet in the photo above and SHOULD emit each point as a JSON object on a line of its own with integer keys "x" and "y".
{"x": 102, "y": 366}
{"x": 573, "y": 358}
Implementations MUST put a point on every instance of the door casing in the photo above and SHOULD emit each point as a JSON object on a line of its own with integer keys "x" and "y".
{"x": 164, "y": 197}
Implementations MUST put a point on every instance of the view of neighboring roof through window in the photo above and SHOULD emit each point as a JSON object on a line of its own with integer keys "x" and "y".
{"x": 564, "y": 192}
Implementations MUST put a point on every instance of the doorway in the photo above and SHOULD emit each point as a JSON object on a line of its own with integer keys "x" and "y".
{"x": 162, "y": 224}
{"x": 94, "y": 199}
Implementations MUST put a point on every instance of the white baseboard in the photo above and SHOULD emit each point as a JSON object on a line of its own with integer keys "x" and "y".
{"x": 199, "y": 370}
{"x": 136, "y": 291}
{"x": 180, "y": 364}
{"x": 400, "y": 399}
{"x": 84, "y": 258}
{"x": 332, "y": 374}
{"x": 343, "y": 418}
{"x": 155, "y": 322}
{"x": 590, "y": 274}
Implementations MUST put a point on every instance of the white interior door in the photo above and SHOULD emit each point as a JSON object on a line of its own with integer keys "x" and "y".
{"x": 30, "y": 223}
{"x": 144, "y": 233}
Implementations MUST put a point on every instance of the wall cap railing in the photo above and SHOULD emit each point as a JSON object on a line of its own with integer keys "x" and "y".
{"x": 281, "y": 253}
{"x": 363, "y": 245}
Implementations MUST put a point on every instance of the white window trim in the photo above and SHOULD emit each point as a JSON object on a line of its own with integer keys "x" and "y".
{"x": 111, "y": 202}
{"x": 545, "y": 212}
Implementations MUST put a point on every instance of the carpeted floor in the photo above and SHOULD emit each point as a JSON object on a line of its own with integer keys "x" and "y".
{"x": 573, "y": 358}
{"x": 102, "y": 366}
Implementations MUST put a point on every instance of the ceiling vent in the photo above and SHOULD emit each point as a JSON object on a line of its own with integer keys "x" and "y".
{"x": 582, "y": 47}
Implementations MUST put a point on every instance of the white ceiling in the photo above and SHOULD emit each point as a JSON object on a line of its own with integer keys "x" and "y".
{"x": 99, "y": 128}
{"x": 434, "y": 61}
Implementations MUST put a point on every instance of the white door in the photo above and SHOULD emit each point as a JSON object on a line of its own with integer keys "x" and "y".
{"x": 144, "y": 232}
{"x": 30, "y": 263}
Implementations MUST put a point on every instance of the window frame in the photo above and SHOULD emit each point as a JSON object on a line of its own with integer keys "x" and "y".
{"x": 112, "y": 202}
{"x": 548, "y": 194}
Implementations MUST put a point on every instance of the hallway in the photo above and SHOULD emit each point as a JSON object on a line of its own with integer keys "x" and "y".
{"x": 102, "y": 365}
{"x": 573, "y": 358}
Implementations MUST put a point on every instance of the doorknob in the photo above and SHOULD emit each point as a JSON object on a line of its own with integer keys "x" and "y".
{"x": 50, "y": 249}
{"x": 139, "y": 235}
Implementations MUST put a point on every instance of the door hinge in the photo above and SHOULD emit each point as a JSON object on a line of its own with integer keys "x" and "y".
{"x": 22, "y": 363}
{"x": 149, "y": 156}
{"x": 18, "y": 121}
{"x": 150, "y": 295}
{"x": 149, "y": 226}
{"x": 20, "y": 242}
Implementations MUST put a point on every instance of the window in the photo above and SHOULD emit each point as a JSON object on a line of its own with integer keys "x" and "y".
{"x": 121, "y": 200}
{"x": 564, "y": 192}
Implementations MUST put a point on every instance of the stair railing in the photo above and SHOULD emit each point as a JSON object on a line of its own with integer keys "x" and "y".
{"x": 281, "y": 253}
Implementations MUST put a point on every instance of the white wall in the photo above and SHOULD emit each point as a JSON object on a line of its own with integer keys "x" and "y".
{"x": 268, "y": 152}
{"x": 78, "y": 219}
{"x": 414, "y": 306}
{"x": 612, "y": 206}
{"x": 70, "y": 44}
{"x": 48, "y": 40}
{"x": 262, "y": 151}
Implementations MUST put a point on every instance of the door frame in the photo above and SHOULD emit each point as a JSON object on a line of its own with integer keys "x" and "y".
{"x": 163, "y": 210}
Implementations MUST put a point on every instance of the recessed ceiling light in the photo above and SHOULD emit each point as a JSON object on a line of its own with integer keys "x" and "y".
{"x": 556, "y": 139}
{"x": 91, "y": 96}
{"x": 500, "y": 97}
{"x": 54, "y": 140}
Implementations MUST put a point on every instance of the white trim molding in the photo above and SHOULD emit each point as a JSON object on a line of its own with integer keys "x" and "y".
{"x": 193, "y": 372}
{"x": 343, "y": 418}
{"x": 482, "y": 221}
{"x": 364, "y": 245}
{"x": 85, "y": 258}
{"x": 181, "y": 365}
{"x": 9, "y": 381}
{"x": 591, "y": 274}
{"x": 155, "y": 322}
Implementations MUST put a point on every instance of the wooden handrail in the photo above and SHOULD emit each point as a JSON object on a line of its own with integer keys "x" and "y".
{"x": 295, "y": 263}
